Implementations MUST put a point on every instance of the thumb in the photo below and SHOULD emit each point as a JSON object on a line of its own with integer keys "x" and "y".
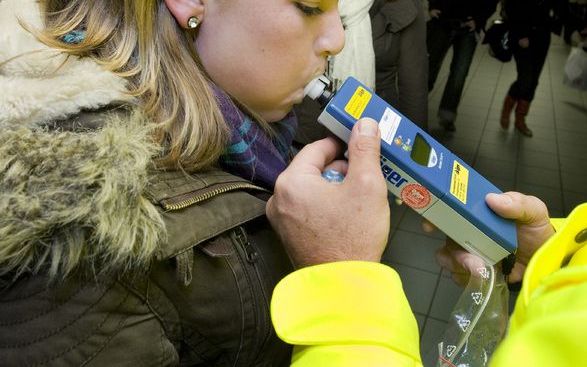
{"x": 522, "y": 208}
{"x": 364, "y": 149}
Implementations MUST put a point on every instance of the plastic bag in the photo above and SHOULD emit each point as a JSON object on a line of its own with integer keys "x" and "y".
{"x": 498, "y": 39}
{"x": 576, "y": 68}
{"x": 477, "y": 323}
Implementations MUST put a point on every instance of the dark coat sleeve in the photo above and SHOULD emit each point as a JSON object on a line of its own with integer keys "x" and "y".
{"x": 484, "y": 9}
{"x": 413, "y": 72}
{"x": 516, "y": 12}
{"x": 435, "y": 4}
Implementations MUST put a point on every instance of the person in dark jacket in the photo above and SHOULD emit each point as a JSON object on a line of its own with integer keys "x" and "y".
{"x": 456, "y": 24}
{"x": 530, "y": 23}
{"x": 401, "y": 61}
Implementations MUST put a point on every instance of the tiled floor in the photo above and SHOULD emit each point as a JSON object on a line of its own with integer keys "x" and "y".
{"x": 551, "y": 165}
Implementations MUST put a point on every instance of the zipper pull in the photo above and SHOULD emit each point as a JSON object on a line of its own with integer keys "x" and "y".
{"x": 250, "y": 253}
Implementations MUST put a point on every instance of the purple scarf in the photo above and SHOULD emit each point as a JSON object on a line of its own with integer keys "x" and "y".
{"x": 252, "y": 154}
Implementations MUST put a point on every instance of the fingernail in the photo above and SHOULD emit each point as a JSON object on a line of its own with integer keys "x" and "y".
{"x": 368, "y": 127}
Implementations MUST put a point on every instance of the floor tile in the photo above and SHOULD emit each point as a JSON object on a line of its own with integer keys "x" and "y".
{"x": 566, "y": 137}
{"x": 495, "y": 167}
{"x": 536, "y": 158}
{"x": 552, "y": 197}
{"x": 412, "y": 222}
{"x": 445, "y": 298}
{"x": 539, "y": 176}
{"x": 421, "y": 319}
{"x": 541, "y": 144}
{"x": 572, "y": 124}
{"x": 499, "y": 136}
{"x": 571, "y": 200}
{"x": 542, "y": 132}
{"x": 498, "y": 151}
{"x": 461, "y": 145}
{"x": 574, "y": 182}
{"x": 414, "y": 249}
{"x": 575, "y": 165}
{"x": 503, "y": 183}
{"x": 573, "y": 150}
{"x": 419, "y": 286}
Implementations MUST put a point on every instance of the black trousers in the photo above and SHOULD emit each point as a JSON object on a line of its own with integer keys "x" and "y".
{"x": 529, "y": 64}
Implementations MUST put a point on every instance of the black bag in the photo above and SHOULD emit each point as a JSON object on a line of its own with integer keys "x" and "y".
{"x": 498, "y": 39}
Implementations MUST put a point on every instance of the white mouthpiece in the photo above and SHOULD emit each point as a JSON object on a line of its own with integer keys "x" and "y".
{"x": 315, "y": 88}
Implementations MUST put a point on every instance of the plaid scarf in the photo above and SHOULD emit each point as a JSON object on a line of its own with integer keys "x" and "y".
{"x": 253, "y": 154}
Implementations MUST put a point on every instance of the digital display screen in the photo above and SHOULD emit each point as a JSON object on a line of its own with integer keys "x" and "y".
{"x": 420, "y": 151}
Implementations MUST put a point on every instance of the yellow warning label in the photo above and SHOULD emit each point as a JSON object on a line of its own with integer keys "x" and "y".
{"x": 459, "y": 182}
{"x": 358, "y": 103}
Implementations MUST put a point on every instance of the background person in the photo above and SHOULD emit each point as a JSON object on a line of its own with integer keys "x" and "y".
{"x": 357, "y": 58}
{"x": 456, "y": 24}
{"x": 401, "y": 60}
{"x": 530, "y": 24}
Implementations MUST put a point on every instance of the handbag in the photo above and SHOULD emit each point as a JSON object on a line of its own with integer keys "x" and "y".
{"x": 576, "y": 68}
{"x": 498, "y": 39}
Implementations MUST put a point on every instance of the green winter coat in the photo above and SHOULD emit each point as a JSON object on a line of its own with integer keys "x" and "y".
{"x": 105, "y": 261}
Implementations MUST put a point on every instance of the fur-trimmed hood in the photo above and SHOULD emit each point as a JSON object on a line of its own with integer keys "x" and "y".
{"x": 33, "y": 86}
{"x": 67, "y": 198}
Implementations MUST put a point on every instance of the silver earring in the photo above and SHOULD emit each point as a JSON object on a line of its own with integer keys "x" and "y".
{"x": 193, "y": 22}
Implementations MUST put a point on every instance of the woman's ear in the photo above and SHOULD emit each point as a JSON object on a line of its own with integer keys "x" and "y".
{"x": 185, "y": 10}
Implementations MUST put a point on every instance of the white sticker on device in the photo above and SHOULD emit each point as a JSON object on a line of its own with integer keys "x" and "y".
{"x": 388, "y": 125}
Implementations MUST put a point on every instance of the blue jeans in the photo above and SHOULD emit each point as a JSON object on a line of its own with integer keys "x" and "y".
{"x": 440, "y": 37}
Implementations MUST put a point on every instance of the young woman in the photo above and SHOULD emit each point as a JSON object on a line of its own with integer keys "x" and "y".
{"x": 139, "y": 141}
{"x": 530, "y": 22}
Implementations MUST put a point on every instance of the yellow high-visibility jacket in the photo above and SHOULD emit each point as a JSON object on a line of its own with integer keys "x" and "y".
{"x": 356, "y": 313}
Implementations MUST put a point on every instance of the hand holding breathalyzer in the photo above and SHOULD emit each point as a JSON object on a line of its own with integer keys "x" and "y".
{"x": 420, "y": 171}
{"x": 533, "y": 229}
{"x": 322, "y": 222}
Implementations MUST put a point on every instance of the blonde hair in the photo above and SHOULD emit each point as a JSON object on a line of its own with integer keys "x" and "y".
{"x": 141, "y": 41}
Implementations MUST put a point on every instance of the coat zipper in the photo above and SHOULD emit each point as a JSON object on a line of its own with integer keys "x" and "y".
{"x": 250, "y": 253}
{"x": 252, "y": 256}
{"x": 195, "y": 197}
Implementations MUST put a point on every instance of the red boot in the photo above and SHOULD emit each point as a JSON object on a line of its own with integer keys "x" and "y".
{"x": 508, "y": 105}
{"x": 521, "y": 112}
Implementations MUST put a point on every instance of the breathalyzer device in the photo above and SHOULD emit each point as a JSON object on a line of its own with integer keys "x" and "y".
{"x": 420, "y": 171}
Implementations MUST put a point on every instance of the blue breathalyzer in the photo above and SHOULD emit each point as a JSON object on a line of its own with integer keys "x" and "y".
{"x": 420, "y": 171}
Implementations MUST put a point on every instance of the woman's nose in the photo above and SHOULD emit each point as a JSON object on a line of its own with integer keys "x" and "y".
{"x": 331, "y": 41}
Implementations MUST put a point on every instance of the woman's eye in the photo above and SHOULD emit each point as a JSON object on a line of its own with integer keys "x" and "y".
{"x": 309, "y": 10}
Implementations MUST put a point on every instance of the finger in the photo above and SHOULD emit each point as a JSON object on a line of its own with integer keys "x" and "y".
{"x": 428, "y": 227}
{"x": 517, "y": 273}
{"x": 313, "y": 158}
{"x": 470, "y": 262}
{"x": 461, "y": 278}
{"x": 364, "y": 148}
{"x": 453, "y": 257}
{"x": 445, "y": 258}
{"x": 467, "y": 261}
{"x": 522, "y": 208}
